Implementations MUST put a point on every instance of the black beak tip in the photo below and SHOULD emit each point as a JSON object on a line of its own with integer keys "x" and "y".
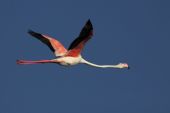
{"x": 128, "y": 68}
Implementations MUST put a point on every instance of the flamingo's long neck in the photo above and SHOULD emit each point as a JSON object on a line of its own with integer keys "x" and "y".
{"x": 99, "y": 66}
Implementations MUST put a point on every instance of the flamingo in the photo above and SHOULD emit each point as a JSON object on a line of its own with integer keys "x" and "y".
{"x": 72, "y": 55}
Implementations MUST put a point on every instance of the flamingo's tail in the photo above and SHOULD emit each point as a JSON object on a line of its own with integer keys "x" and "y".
{"x": 33, "y": 62}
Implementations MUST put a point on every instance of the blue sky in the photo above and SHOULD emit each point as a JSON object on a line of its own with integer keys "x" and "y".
{"x": 132, "y": 31}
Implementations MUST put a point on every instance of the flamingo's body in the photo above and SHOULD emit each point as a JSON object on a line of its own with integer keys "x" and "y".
{"x": 72, "y": 56}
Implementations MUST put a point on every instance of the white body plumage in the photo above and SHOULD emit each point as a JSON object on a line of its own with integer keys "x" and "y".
{"x": 68, "y": 61}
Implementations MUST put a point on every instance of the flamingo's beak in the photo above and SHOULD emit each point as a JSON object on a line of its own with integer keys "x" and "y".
{"x": 128, "y": 68}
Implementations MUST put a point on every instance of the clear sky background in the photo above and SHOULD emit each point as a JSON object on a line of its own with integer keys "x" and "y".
{"x": 132, "y": 31}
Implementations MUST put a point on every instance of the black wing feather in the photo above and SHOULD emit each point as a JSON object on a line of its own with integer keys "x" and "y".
{"x": 86, "y": 32}
{"x": 41, "y": 38}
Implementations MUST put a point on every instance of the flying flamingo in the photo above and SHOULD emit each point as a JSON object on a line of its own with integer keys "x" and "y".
{"x": 72, "y": 56}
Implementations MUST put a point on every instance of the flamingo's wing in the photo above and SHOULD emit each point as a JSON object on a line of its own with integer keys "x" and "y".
{"x": 78, "y": 44}
{"x": 54, "y": 45}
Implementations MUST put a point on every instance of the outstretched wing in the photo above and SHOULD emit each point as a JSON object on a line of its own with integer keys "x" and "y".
{"x": 54, "y": 45}
{"x": 78, "y": 44}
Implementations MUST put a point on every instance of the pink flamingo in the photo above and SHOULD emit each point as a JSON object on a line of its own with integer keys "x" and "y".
{"x": 72, "y": 56}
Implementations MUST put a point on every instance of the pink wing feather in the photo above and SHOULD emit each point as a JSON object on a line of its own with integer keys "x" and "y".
{"x": 53, "y": 44}
{"x": 78, "y": 44}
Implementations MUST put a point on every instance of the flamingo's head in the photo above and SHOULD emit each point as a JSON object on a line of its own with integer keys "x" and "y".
{"x": 123, "y": 65}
